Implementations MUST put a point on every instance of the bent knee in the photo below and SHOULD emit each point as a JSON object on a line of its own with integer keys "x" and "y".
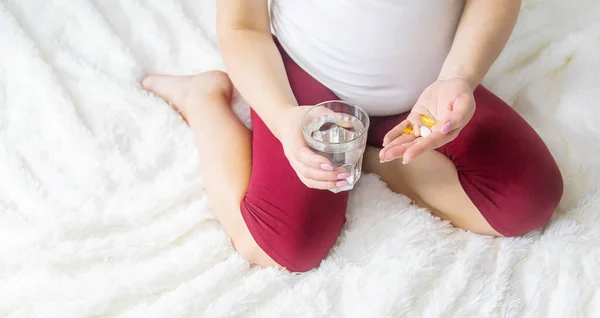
{"x": 530, "y": 216}
{"x": 536, "y": 203}
{"x": 293, "y": 260}
{"x": 297, "y": 238}
{"x": 504, "y": 221}
{"x": 516, "y": 204}
{"x": 519, "y": 214}
{"x": 516, "y": 217}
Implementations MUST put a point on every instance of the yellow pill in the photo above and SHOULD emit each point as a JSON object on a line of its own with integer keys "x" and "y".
{"x": 426, "y": 120}
{"x": 408, "y": 129}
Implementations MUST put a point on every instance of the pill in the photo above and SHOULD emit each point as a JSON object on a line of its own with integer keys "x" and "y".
{"x": 426, "y": 120}
{"x": 425, "y": 131}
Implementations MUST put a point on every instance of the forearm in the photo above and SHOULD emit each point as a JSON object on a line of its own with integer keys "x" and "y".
{"x": 256, "y": 69}
{"x": 483, "y": 30}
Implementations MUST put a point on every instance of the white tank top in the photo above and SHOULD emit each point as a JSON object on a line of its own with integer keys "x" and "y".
{"x": 377, "y": 54}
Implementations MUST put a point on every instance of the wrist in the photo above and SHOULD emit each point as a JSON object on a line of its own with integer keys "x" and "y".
{"x": 278, "y": 120}
{"x": 466, "y": 74}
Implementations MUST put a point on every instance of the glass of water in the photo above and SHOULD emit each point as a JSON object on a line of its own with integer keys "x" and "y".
{"x": 338, "y": 132}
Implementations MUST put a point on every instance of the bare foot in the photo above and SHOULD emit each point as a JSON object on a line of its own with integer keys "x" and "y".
{"x": 177, "y": 90}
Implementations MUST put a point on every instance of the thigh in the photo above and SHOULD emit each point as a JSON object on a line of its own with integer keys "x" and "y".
{"x": 497, "y": 177}
{"x": 505, "y": 167}
{"x": 431, "y": 181}
{"x": 295, "y": 225}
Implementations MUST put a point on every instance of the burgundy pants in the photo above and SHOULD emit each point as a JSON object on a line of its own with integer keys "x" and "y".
{"x": 503, "y": 165}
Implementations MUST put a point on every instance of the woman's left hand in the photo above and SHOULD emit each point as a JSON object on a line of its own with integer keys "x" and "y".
{"x": 449, "y": 102}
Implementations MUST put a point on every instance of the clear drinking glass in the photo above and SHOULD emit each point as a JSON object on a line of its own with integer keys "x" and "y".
{"x": 338, "y": 132}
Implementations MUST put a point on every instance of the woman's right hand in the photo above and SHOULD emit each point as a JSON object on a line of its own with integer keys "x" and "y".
{"x": 313, "y": 170}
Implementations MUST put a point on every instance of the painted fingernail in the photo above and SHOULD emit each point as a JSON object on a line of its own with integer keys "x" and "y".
{"x": 341, "y": 183}
{"x": 446, "y": 128}
{"x": 343, "y": 175}
{"x": 327, "y": 167}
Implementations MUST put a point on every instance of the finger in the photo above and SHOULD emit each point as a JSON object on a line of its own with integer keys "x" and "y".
{"x": 397, "y": 151}
{"x": 320, "y": 185}
{"x": 431, "y": 142}
{"x": 396, "y": 132}
{"x": 459, "y": 111}
{"x": 309, "y": 158}
{"x": 318, "y": 174}
{"x": 400, "y": 140}
{"x": 404, "y": 139}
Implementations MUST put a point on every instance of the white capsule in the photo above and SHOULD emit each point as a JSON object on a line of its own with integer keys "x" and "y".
{"x": 424, "y": 131}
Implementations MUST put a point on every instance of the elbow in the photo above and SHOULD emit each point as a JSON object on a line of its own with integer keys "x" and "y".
{"x": 231, "y": 33}
{"x": 223, "y": 33}
{"x": 227, "y": 39}
{"x": 226, "y": 29}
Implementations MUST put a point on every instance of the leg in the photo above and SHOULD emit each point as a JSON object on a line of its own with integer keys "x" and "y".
{"x": 496, "y": 178}
{"x": 271, "y": 217}
{"x": 225, "y": 158}
{"x": 293, "y": 224}
{"x": 431, "y": 181}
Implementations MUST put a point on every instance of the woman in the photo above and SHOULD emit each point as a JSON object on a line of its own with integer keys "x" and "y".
{"x": 483, "y": 167}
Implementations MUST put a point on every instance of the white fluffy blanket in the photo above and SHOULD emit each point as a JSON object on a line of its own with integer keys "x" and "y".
{"x": 103, "y": 212}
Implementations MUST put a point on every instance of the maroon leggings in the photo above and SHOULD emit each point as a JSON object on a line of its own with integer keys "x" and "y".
{"x": 503, "y": 165}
